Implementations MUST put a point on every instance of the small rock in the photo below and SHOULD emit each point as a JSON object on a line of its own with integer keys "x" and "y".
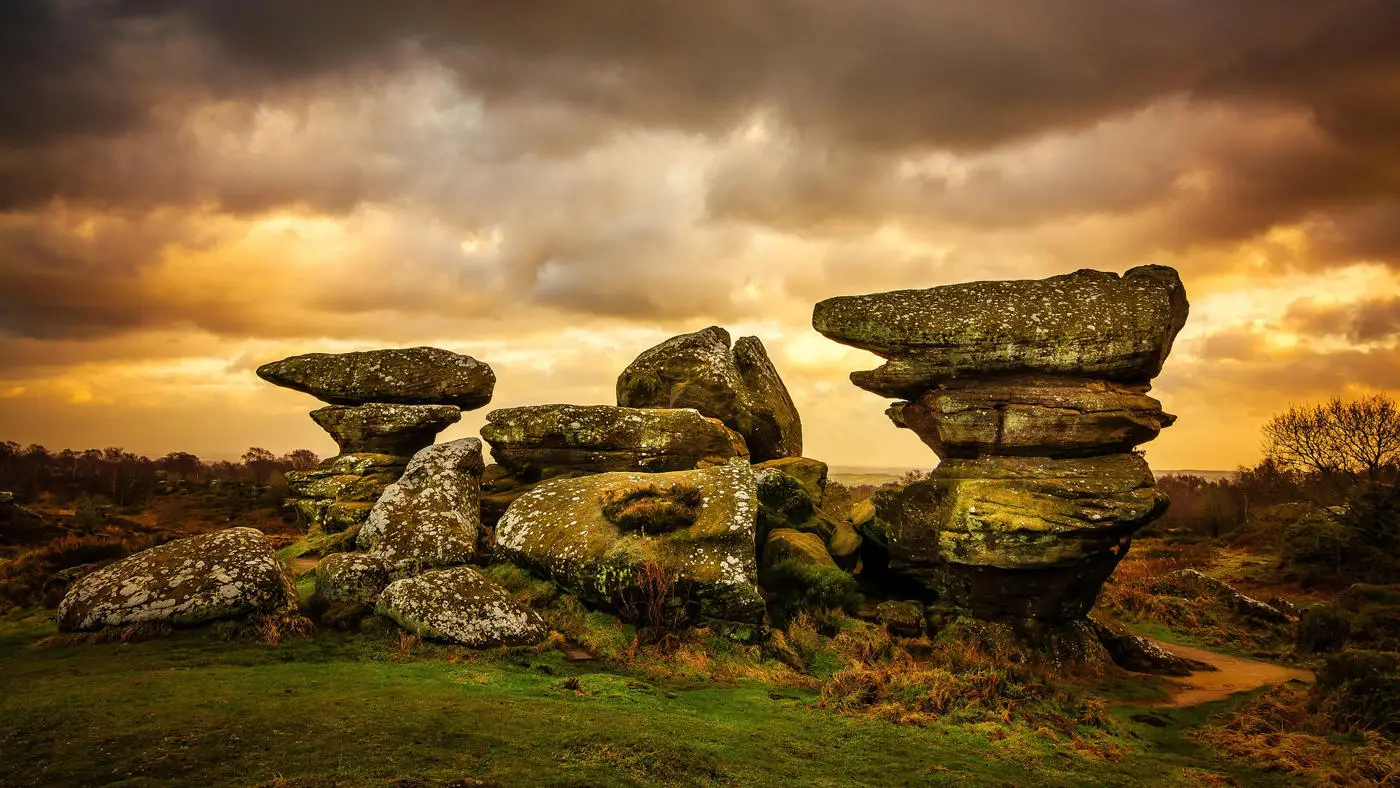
{"x": 460, "y": 605}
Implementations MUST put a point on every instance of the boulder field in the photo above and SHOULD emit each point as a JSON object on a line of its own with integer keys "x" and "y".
{"x": 1033, "y": 393}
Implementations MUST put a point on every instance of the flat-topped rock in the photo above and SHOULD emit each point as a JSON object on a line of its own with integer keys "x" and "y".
{"x": 408, "y": 376}
{"x": 600, "y": 535}
{"x": 379, "y": 428}
{"x": 740, "y": 387}
{"x": 1088, "y": 323}
{"x": 431, "y": 516}
{"x": 543, "y": 441}
{"x": 1033, "y": 416}
{"x": 224, "y": 574}
{"x": 461, "y": 605}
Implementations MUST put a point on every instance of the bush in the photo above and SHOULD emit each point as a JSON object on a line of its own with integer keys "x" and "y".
{"x": 1360, "y": 691}
{"x": 803, "y": 587}
{"x": 1361, "y": 543}
{"x": 1322, "y": 629}
{"x": 42, "y": 576}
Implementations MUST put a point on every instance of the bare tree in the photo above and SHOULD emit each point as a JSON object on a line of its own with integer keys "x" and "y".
{"x": 1361, "y": 437}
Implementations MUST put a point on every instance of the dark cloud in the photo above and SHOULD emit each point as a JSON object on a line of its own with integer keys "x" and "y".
{"x": 1374, "y": 320}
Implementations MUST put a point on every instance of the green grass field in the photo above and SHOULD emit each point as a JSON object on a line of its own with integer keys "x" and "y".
{"x": 352, "y": 710}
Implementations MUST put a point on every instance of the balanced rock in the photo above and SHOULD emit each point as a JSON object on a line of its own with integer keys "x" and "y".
{"x": 224, "y": 574}
{"x": 602, "y": 535}
{"x": 410, "y": 376}
{"x": 1021, "y": 537}
{"x": 377, "y": 428}
{"x": 543, "y": 441}
{"x": 740, "y": 387}
{"x": 1033, "y": 417}
{"x": 431, "y": 516}
{"x": 1034, "y": 393}
{"x": 460, "y": 605}
{"x": 1088, "y": 323}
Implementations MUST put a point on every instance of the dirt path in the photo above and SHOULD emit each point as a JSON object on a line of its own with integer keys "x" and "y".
{"x": 1234, "y": 674}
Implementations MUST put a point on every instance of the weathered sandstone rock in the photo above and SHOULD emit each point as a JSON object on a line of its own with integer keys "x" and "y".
{"x": 597, "y": 535}
{"x": 1088, "y": 323}
{"x": 431, "y": 516}
{"x": 543, "y": 441}
{"x": 1032, "y": 417}
{"x": 224, "y": 574}
{"x": 398, "y": 430}
{"x": 409, "y": 376}
{"x": 340, "y": 493}
{"x": 741, "y": 388}
{"x": 786, "y": 545}
{"x": 462, "y": 606}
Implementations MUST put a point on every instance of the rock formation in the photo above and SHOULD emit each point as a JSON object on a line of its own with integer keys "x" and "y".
{"x": 539, "y": 442}
{"x": 386, "y": 405}
{"x": 598, "y": 535}
{"x": 224, "y": 574}
{"x": 740, "y": 387}
{"x": 429, "y": 518}
{"x": 1034, "y": 393}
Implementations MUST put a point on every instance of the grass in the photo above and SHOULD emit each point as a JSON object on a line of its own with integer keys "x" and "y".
{"x": 364, "y": 709}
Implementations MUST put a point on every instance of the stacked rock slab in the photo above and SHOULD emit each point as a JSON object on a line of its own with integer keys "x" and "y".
{"x": 740, "y": 387}
{"x": 385, "y": 405}
{"x": 1034, "y": 394}
{"x": 539, "y": 442}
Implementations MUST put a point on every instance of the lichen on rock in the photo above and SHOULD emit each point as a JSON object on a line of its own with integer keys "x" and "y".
{"x": 224, "y": 574}
{"x": 431, "y": 516}
{"x": 460, "y": 605}
{"x": 407, "y": 376}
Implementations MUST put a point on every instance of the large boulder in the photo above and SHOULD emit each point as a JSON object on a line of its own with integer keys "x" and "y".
{"x": 377, "y": 428}
{"x": 1088, "y": 323}
{"x": 409, "y": 376}
{"x": 431, "y": 516}
{"x": 741, "y": 388}
{"x": 224, "y": 574}
{"x": 544, "y": 441}
{"x": 1020, "y": 537}
{"x": 1033, "y": 417}
{"x": 460, "y": 605}
{"x": 811, "y": 474}
{"x": 601, "y": 536}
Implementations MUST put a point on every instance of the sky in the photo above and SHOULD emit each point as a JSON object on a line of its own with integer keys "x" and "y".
{"x": 190, "y": 189}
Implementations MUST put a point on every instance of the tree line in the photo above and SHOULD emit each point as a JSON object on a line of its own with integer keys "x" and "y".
{"x": 35, "y": 473}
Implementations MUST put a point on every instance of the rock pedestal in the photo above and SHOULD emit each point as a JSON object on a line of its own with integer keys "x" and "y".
{"x": 386, "y": 405}
{"x": 1034, "y": 394}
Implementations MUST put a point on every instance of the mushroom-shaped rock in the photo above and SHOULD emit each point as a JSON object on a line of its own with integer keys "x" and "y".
{"x": 408, "y": 376}
{"x": 224, "y": 574}
{"x": 1089, "y": 323}
{"x": 431, "y": 516}
{"x": 461, "y": 605}
{"x": 377, "y": 428}
{"x": 601, "y": 536}
{"x": 1033, "y": 417}
{"x": 543, "y": 441}
{"x": 740, "y": 387}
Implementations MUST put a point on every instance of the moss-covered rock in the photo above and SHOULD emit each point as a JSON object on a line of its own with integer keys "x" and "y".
{"x": 785, "y": 544}
{"x": 460, "y": 605}
{"x": 544, "y": 441}
{"x": 1091, "y": 323}
{"x": 348, "y": 586}
{"x": 340, "y": 493}
{"x": 1033, "y": 416}
{"x": 810, "y": 473}
{"x": 561, "y": 529}
{"x": 224, "y": 574}
{"x": 408, "y": 376}
{"x": 1020, "y": 537}
{"x": 398, "y": 430}
{"x": 740, "y": 388}
{"x": 431, "y": 516}
{"x": 902, "y": 617}
{"x": 844, "y": 545}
